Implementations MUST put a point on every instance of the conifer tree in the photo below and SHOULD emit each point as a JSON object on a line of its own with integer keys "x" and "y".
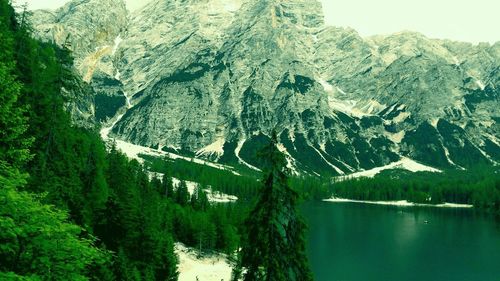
{"x": 38, "y": 242}
{"x": 167, "y": 186}
{"x": 14, "y": 143}
{"x": 274, "y": 249}
{"x": 199, "y": 199}
{"x": 182, "y": 194}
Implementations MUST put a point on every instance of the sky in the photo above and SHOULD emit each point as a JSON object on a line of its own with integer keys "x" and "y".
{"x": 471, "y": 21}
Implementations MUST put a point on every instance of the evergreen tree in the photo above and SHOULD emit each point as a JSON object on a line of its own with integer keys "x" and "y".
{"x": 105, "y": 194}
{"x": 199, "y": 199}
{"x": 14, "y": 144}
{"x": 38, "y": 242}
{"x": 167, "y": 186}
{"x": 182, "y": 194}
{"x": 278, "y": 253}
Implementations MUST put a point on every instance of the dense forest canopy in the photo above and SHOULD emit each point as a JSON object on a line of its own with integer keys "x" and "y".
{"x": 72, "y": 208}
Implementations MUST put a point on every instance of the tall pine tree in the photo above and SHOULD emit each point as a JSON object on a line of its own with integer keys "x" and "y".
{"x": 274, "y": 249}
{"x": 14, "y": 143}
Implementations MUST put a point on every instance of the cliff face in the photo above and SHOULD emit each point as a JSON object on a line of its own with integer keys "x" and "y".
{"x": 213, "y": 78}
{"x": 91, "y": 30}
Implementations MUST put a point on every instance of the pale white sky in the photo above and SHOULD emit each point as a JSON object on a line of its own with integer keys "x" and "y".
{"x": 462, "y": 20}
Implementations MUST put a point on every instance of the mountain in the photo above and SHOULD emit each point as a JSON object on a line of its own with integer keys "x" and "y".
{"x": 213, "y": 78}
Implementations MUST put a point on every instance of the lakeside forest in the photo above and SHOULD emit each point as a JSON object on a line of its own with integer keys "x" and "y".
{"x": 72, "y": 209}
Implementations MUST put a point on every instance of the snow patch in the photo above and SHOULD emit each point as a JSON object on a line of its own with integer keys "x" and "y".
{"x": 447, "y": 154}
{"x": 345, "y": 106}
{"x": 391, "y": 109}
{"x": 401, "y": 203}
{"x": 219, "y": 197}
{"x": 341, "y": 91}
{"x": 493, "y": 139}
{"x": 106, "y": 130}
{"x": 291, "y": 135}
{"x": 372, "y": 107}
{"x": 480, "y": 84}
{"x": 118, "y": 40}
{"x": 339, "y": 171}
{"x": 404, "y": 164}
{"x": 346, "y": 165}
{"x": 216, "y": 148}
{"x": 212, "y": 196}
{"x": 339, "y": 104}
{"x": 192, "y": 267}
{"x": 133, "y": 151}
{"x": 290, "y": 162}
{"x": 397, "y": 137}
{"x": 488, "y": 124}
{"x": 401, "y": 117}
{"x": 326, "y": 86}
{"x": 401, "y": 107}
{"x": 190, "y": 185}
{"x": 434, "y": 122}
{"x": 322, "y": 146}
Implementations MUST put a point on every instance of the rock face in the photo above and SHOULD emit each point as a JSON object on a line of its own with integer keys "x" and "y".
{"x": 91, "y": 30}
{"x": 214, "y": 78}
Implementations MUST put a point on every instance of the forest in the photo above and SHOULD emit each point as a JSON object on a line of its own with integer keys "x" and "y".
{"x": 479, "y": 186}
{"x": 72, "y": 208}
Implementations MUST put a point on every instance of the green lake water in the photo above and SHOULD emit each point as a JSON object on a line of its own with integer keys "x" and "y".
{"x": 359, "y": 242}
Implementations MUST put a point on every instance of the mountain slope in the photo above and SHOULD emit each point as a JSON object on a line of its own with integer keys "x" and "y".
{"x": 213, "y": 78}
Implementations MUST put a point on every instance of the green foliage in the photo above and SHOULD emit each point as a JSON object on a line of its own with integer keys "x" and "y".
{"x": 14, "y": 144}
{"x": 182, "y": 194}
{"x": 136, "y": 223}
{"x": 107, "y": 106}
{"x": 279, "y": 252}
{"x": 244, "y": 186}
{"x": 104, "y": 194}
{"x": 199, "y": 200}
{"x": 38, "y": 241}
{"x": 430, "y": 150}
{"x": 167, "y": 187}
{"x": 479, "y": 186}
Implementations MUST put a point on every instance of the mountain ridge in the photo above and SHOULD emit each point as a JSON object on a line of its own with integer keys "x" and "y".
{"x": 211, "y": 81}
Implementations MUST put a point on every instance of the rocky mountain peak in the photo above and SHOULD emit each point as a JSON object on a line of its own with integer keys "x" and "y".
{"x": 89, "y": 28}
{"x": 212, "y": 79}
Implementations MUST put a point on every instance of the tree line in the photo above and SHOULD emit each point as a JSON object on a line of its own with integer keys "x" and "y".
{"x": 71, "y": 209}
{"x": 479, "y": 186}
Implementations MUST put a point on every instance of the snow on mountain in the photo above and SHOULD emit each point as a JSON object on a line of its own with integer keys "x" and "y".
{"x": 213, "y": 78}
{"x": 403, "y": 164}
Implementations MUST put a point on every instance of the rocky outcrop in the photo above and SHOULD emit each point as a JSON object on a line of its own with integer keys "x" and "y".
{"x": 91, "y": 30}
{"x": 213, "y": 78}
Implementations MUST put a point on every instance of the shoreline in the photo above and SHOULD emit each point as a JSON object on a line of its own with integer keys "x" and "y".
{"x": 400, "y": 203}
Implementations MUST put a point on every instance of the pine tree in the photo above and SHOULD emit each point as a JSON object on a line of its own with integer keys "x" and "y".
{"x": 38, "y": 241}
{"x": 167, "y": 186}
{"x": 14, "y": 144}
{"x": 279, "y": 252}
{"x": 182, "y": 194}
{"x": 199, "y": 199}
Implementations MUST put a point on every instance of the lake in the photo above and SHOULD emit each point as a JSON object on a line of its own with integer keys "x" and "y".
{"x": 359, "y": 242}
